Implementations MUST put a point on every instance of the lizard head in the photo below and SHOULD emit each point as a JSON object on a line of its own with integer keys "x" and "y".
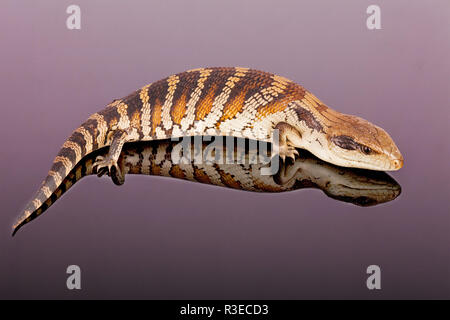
{"x": 355, "y": 142}
{"x": 344, "y": 140}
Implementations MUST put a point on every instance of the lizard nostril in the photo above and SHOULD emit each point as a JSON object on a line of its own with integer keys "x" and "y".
{"x": 398, "y": 163}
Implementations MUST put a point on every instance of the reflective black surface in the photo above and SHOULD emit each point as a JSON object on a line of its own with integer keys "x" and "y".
{"x": 238, "y": 164}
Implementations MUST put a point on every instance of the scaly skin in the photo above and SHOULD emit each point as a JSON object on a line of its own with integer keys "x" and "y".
{"x": 237, "y": 102}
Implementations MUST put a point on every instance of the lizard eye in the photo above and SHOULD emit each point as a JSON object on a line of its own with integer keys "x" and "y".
{"x": 366, "y": 150}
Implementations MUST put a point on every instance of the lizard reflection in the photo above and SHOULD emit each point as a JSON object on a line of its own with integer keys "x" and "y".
{"x": 356, "y": 186}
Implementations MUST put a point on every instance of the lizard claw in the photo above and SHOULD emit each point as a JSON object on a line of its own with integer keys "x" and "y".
{"x": 105, "y": 165}
{"x": 289, "y": 152}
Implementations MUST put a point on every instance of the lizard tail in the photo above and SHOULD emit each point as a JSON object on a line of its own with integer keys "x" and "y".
{"x": 65, "y": 171}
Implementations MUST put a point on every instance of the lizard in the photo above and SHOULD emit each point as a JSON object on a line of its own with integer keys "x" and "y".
{"x": 359, "y": 187}
{"x": 232, "y": 101}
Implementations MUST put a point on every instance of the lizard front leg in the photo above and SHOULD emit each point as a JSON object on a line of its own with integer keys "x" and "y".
{"x": 110, "y": 163}
{"x": 289, "y": 139}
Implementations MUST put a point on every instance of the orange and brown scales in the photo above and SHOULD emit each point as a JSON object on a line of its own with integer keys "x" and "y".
{"x": 229, "y": 101}
{"x": 213, "y": 97}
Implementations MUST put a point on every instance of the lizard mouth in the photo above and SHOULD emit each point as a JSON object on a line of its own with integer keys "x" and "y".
{"x": 378, "y": 164}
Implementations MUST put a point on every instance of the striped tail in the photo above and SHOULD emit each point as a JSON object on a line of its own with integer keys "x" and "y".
{"x": 64, "y": 172}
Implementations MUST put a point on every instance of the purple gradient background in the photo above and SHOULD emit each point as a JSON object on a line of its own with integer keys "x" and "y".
{"x": 162, "y": 238}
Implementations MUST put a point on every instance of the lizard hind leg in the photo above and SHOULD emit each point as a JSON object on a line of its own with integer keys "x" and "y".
{"x": 109, "y": 164}
{"x": 289, "y": 139}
